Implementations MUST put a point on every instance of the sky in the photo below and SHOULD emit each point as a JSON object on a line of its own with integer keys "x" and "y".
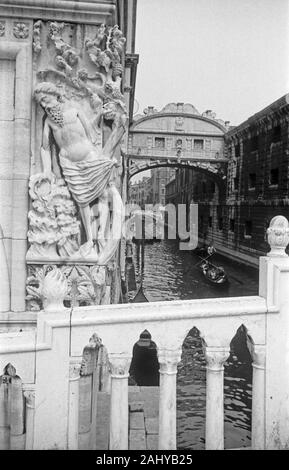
{"x": 230, "y": 56}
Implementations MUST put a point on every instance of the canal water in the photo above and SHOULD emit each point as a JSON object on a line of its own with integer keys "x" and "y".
{"x": 170, "y": 274}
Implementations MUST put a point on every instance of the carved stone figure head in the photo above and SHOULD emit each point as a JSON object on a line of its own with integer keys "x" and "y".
{"x": 50, "y": 99}
{"x": 47, "y": 95}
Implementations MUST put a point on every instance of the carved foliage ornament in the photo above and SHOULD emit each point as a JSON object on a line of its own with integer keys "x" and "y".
{"x": 85, "y": 285}
{"x": 168, "y": 360}
{"x": 216, "y": 357}
{"x": 119, "y": 365}
{"x": 54, "y": 228}
{"x": 21, "y": 30}
{"x": 36, "y": 37}
{"x": 2, "y": 28}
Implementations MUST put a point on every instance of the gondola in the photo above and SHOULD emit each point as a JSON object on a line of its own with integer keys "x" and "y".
{"x": 140, "y": 296}
{"x": 215, "y": 275}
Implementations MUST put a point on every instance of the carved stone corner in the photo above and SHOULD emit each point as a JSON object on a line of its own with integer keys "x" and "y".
{"x": 168, "y": 360}
{"x": 278, "y": 236}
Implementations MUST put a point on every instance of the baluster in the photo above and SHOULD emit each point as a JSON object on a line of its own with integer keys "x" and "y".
{"x": 73, "y": 413}
{"x": 168, "y": 360}
{"x": 118, "y": 432}
{"x": 258, "y": 397}
{"x": 215, "y": 358}
{"x": 29, "y": 394}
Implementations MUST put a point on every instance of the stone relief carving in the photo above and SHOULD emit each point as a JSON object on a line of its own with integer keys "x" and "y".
{"x": 36, "y": 37}
{"x": 179, "y": 123}
{"x": 53, "y": 227}
{"x": 80, "y": 100}
{"x": 2, "y": 28}
{"x": 85, "y": 285}
{"x": 21, "y": 30}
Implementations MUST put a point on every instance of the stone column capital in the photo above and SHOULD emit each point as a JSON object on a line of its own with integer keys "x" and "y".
{"x": 259, "y": 356}
{"x": 216, "y": 357}
{"x": 29, "y": 395}
{"x": 74, "y": 369}
{"x": 168, "y": 360}
{"x": 119, "y": 365}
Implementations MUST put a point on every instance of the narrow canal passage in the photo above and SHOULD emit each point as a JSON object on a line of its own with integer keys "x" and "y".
{"x": 170, "y": 274}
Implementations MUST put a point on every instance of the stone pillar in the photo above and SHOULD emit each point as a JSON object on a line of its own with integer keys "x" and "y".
{"x": 15, "y": 128}
{"x": 258, "y": 398}
{"x": 29, "y": 395}
{"x": 168, "y": 360}
{"x": 73, "y": 412}
{"x": 274, "y": 282}
{"x": 4, "y": 275}
{"x": 215, "y": 358}
{"x": 118, "y": 434}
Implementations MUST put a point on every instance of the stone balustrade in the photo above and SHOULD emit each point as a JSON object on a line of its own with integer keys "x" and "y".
{"x": 62, "y": 335}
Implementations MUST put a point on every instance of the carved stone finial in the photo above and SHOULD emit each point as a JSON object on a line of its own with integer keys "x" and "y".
{"x": 54, "y": 290}
{"x": 168, "y": 360}
{"x": 216, "y": 357}
{"x": 278, "y": 236}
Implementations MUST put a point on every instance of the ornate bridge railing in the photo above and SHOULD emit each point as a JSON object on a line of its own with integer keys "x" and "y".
{"x": 174, "y": 153}
{"x": 50, "y": 367}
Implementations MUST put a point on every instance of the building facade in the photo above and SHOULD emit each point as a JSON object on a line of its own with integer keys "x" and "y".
{"x": 151, "y": 190}
{"x": 235, "y": 217}
{"x": 47, "y": 52}
{"x": 177, "y": 130}
{"x": 171, "y": 138}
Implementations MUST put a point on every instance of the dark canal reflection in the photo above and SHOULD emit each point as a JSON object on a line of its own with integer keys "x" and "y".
{"x": 170, "y": 274}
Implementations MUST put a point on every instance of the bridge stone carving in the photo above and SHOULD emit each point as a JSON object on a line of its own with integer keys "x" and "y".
{"x": 216, "y": 167}
{"x": 177, "y": 136}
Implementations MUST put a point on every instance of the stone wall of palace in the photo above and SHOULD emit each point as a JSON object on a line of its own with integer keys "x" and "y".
{"x": 57, "y": 43}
